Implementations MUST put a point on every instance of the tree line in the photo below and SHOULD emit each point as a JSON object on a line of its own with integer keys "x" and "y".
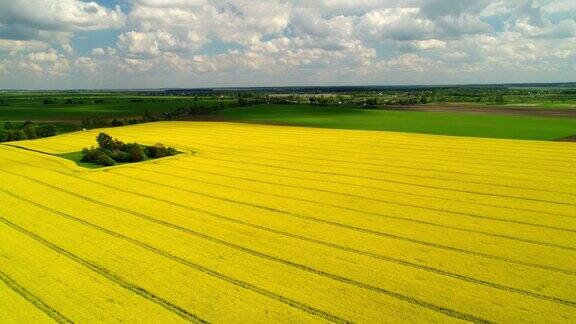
{"x": 26, "y": 130}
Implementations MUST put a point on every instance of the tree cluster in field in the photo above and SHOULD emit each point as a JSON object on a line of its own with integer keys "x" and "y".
{"x": 27, "y": 130}
{"x": 111, "y": 151}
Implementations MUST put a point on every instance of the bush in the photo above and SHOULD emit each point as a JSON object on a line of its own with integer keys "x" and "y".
{"x": 31, "y": 131}
{"x": 117, "y": 123}
{"x": 16, "y": 135}
{"x": 46, "y": 130}
{"x": 3, "y": 136}
{"x": 89, "y": 154}
{"x": 8, "y": 126}
{"x": 120, "y": 156}
{"x": 104, "y": 159}
{"x": 159, "y": 150}
{"x": 135, "y": 152}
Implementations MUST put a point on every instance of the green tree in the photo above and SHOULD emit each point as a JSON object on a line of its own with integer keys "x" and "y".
{"x": 136, "y": 152}
{"x": 104, "y": 159}
{"x": 3, "y": 135}
{"x": 104, "y": 140}
{"x": 16, "y": 135}
{"x": 46, "y": 130}
{"x": 31, "y": 131}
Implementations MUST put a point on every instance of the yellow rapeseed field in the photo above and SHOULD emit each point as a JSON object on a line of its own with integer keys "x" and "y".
{"x": 259, "y": 223}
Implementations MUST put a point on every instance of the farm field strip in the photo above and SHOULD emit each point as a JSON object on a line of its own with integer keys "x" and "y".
{"x": 473, "y": 304}
{"x": 316, "y": 219}
{"x": 270, "y": 171}
{"x": 412, "y": 162}
{"x": 64, "y": 299}
{"x": 415, "y": 166}
{"x": 366, "y": 188}
{"x": 454, "y": 192}
{"x": 449, "y": 193}
{"x": 371, "y": 194}
{"x": 15, "y": 297}
{"x": 211, "y": 284}
{"x": 483, "y": 147}
{"x": 418, "y": 171}
{"x": 384, "y": 201}
{"x": 393, "y": 237}
{"x": 528, "y": 241}
{"x": 339, "y": 220}
{"x": 367, "y": 170}
{"x": 201, "y": 143}
{"x": 473, "y": 159}
{"x": 370, "y": 172}
{"x": 502, "y": 178}
{"x": 346, "y": 298}
{"x": 469, "y": 181}
{"x": 319, "y": 140}
{"x": 352, "y": 225}
{"x": 460, "y": 251}
{"x": 395, "y": 189}
{"x": 240, "y": 232}
{"x": 446, "y": 143}
{"x": 396, "y": 149}
{"x": 332, "y": 205}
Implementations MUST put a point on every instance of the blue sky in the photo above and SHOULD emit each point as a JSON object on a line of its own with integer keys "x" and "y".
{"x": 203, "y": 43}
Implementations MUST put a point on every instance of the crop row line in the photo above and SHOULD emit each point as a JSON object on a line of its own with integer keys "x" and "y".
{"x": 459, "y": 159}
{"x": 380, "y": 215}
{"x": 400, "y": 192}
{"x": 236, "y": 282}
{"x": 423, "y": 169}
{"x": 290, "y": 235}
{"x": 337, "y": 174}
{"x": 386, "y": 189}
{"x": 31, "y": 152}
{"x": 398, "y": 181}
{"x": 410, "y": 143}
{"x": 457, "y": 148}
{"x": 316, "y": 158}
{"x": 352, "y": 228}
{"x": 331, "y": 182}
{"x": 33, "y": 299}
{"x": 411, "y": 162}
{"x": 107, "y": 274}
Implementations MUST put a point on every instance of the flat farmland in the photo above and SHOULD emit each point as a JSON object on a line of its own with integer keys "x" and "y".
{"x": 261, "y": 223}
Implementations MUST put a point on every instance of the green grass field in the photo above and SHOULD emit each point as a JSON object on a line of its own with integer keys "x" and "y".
{"x": 23, "y": 106}
{"x": 76, "y": 157}
{"x": 29, "y": 107}
{"x": 476, "y": 125}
